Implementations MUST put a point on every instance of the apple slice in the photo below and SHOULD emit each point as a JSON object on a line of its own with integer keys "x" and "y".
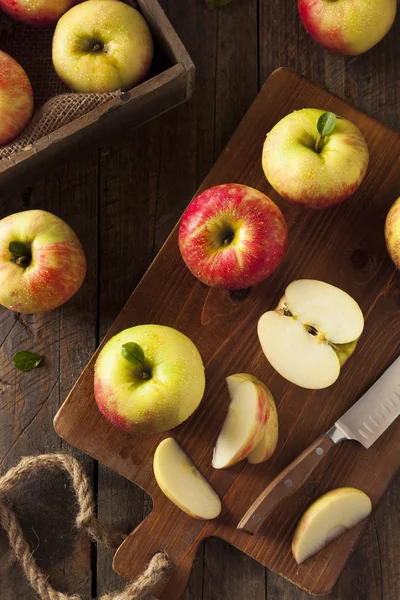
{"x": 183, "y": 483}
{"x": 244, "y": 424}
{"x": 311, "y": 333}
{"x": 327, "y": 518}
{"x": 269, "y": 440}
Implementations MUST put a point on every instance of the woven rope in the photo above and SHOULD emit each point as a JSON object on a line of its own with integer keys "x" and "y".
{"x": 155, "y": 573}
{"x": 56, "y": 106}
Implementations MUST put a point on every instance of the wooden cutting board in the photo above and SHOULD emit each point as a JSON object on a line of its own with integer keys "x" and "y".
{"x": 343, "y": 246}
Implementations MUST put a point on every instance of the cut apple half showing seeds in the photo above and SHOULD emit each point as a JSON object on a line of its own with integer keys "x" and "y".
{"x": 183, "y": 483}
{"x": 327, "y": 518}
{"x": 311, "y": 333}
{"x": 244, "y": 424}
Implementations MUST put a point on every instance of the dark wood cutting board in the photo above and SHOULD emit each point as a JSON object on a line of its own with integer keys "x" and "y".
{"x": 343, "y": 246}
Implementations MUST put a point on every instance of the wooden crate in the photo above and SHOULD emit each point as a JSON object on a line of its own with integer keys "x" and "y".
{"x": 171, "y": 83}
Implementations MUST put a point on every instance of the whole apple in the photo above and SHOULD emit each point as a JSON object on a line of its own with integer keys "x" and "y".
{"x": 232, "y": 236}
{"x": 309, "y": 171}
{"x": 348, "y": 27}
{"x": 37, "y": 12}
{"x": 392, "y": 233}
{"x": 42, "y": 263}
{"x": 102, "y": 46}
{"x": 148, "y": 378}
{"x": 16, "y": 98}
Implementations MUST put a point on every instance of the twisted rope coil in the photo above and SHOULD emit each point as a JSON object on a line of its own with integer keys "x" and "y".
{"x": 155, "y": 573}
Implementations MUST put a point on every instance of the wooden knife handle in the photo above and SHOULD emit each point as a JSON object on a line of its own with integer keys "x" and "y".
{"x": 285, "y": 484}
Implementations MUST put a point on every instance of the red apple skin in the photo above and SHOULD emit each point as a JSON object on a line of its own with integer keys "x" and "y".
{"x": 257, "y": 431}
{"x": 56, "y": 270}
{"x": 256, "y": 225}
{"x": 344, "y": 27}
{"x": 16, "y": 99}
{"x": 392, "y": 233}
{"x": 37, "y": 12}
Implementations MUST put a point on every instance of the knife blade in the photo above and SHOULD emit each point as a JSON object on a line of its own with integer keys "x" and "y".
{"x": 364, "y": 422}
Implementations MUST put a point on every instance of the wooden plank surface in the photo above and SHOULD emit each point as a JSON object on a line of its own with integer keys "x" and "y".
{"x": 224, "y": 331}
{"x": 372, "y": 83}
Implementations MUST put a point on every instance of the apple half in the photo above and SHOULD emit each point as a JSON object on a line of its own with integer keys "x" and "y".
{"x": 245, "y": 422}
{"x": 311, "y": 333}
{"x": 269, "y": 439}
{"x": 183, "y": 483}
{"x": 327, "y": 518}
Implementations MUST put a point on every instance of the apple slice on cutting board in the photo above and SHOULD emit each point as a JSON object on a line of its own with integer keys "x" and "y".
{"x": 311, "y": 333}
{"x": 269, "y": 439}
{"x": 244, "y": 424}
{"x": 183, "y": 483}
{"x": 327, "y": 518}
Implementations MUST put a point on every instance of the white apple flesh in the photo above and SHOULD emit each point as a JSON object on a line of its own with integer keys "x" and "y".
{"x": 269, "y": 440}
{"x": 327, "y": 518}
{"x": 183, "y": 483}
{"x": 243, "y": 426}
{"x": 311, "y": 333}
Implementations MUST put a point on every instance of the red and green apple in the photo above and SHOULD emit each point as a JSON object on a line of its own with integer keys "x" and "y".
{"x": 16, "y": 99}
{"x": 37, "y": 12}
{"x": 392, "y": 233}
{"x": 232, "y": 236}
{"x": 102, "y": 46}
{"x": 348, "y": 27}
{"x": 314, "y": 158}
{"x": 148, "y": 379}
{"x": 42, "y": 263}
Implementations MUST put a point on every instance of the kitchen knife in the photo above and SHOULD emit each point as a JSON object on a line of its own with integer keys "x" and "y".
{"x": 364, "y": 422}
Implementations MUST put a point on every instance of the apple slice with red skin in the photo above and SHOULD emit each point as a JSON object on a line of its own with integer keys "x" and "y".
{"x": 269, "y": 440}
{"x": 244, "y": 425}
{"x": 183, "y": 483}
{"x": 327, "y": 518}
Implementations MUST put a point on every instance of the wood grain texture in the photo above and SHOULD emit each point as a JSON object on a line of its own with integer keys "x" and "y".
{"x": 191, "y": 138}
{"x": 29, "y": 401}
{"x": 361, "y": 267}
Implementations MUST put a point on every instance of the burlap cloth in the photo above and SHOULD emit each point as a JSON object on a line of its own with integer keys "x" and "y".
{"x": 55, "y": 104}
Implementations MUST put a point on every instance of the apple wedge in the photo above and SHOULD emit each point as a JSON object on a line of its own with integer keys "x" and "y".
{"x": 183, "y": 483}
{"x": 269, "y": 440}
{"x": 311, "y": 333}
{"x": 244, "y": 424}
{"x": 327, "y": 518}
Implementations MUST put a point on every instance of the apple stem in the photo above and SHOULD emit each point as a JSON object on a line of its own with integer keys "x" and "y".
{"x": 319, "y": 144}
{"x": 20, "y": 253}
{"x": 23, "y": 261}
{"x": 144, "y": 375}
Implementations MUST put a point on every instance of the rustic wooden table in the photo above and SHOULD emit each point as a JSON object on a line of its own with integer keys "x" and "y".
{"x": 122, "y": 201}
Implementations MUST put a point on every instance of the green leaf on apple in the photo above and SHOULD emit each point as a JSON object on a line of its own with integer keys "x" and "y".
{"x": 326, "y": 125}
{"x": 18, "y": 249}
{"x": 133, "y": 353}
{"x": 26, "y": 361}
{"x": 216, "y": 3}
